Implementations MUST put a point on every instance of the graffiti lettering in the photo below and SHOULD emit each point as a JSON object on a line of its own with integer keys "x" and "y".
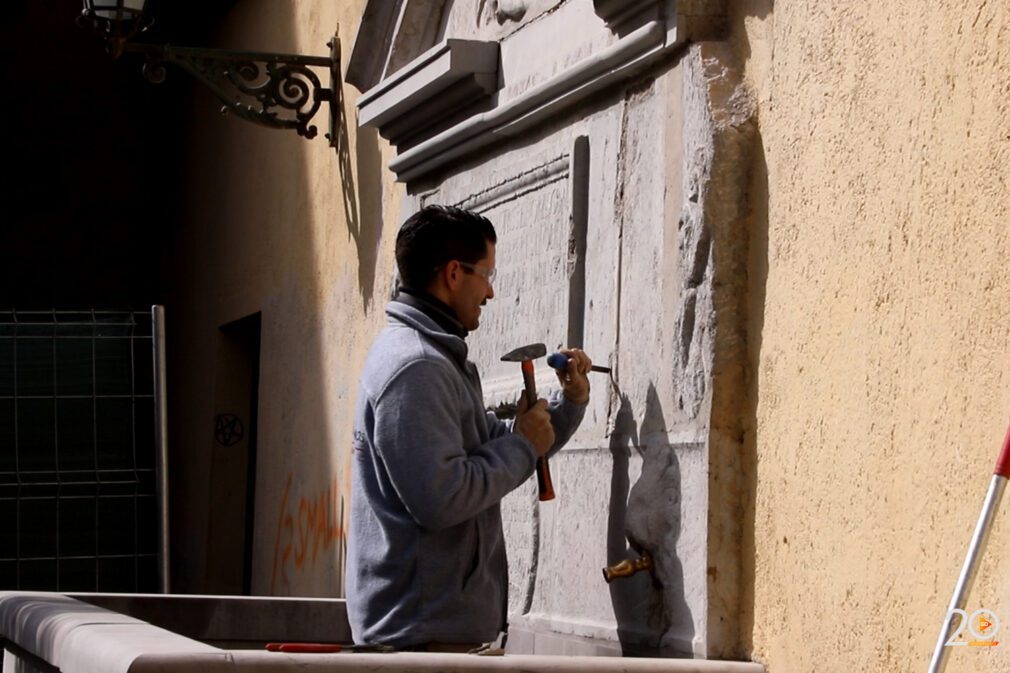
{"x": 306, "y": 526}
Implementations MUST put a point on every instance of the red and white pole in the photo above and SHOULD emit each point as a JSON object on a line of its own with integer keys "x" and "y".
{"x": 955, "y": 611}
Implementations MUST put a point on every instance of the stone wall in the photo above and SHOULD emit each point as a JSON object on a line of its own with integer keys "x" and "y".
{"x": 613, "y": 158}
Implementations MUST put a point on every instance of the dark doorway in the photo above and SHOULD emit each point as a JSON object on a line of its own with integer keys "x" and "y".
{"x": 233, "y": 463}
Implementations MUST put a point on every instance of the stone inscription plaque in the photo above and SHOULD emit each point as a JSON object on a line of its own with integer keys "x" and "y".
{"x": 531, "y": 209}
{"x": 531, "y": 213}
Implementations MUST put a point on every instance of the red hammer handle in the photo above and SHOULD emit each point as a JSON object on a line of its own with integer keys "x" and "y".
{"x": 304, "y": 648}
{"x": 1003, "y": 462}
{"x": 545, "y": 487}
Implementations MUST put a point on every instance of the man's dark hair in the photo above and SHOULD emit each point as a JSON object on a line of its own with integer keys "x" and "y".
{"x": 436, "y": 235}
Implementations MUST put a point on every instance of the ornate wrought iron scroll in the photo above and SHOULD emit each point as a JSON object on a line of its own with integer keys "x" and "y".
{"x": 275, "y": 90}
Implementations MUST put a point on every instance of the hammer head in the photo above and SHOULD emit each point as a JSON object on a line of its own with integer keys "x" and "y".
{"x": 530, "y": 352}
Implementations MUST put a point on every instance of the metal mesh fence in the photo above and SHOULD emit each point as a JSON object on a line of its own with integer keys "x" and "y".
{"x": 78, "y": 503}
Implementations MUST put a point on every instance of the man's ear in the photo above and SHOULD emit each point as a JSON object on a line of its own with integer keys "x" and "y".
{"x": 452, "y": 274}
{"x": 446, "y": 280}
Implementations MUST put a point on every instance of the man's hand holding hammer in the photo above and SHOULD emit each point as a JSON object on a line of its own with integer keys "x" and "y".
{"x": 535, "y": 423}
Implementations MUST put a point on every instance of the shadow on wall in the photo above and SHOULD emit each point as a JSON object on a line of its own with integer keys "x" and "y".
{"x": 653, "y": 618}
{"x": 364, "y": 219}
{"x": 757, "y": 9}
{"x": 757, "y": 281}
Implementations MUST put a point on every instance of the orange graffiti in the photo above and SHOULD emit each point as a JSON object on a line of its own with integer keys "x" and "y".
{"x": 313, "y": 528}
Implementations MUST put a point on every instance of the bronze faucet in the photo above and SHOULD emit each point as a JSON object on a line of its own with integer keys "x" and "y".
{"x": 627, "y": 568}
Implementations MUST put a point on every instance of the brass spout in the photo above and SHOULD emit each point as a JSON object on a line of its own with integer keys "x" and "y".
{"x": 627, "y": 568}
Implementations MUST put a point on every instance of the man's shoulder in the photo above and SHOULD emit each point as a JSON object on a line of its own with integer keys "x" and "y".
{"x": 395, "y": 349}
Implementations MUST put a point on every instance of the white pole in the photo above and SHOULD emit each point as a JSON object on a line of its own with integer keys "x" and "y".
{"x": 941, "y": 653}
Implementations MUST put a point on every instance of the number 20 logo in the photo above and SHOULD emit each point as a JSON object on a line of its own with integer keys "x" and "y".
{"x": 983, "y": 624}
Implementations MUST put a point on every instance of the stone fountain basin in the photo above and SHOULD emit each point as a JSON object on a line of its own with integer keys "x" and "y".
{"x": 154, "y": 633}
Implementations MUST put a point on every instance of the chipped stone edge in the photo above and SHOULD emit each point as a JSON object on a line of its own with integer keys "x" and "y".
{"x": 715, "y": 96}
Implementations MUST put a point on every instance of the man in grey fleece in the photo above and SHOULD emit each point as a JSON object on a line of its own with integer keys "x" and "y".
{"x": 426, "y": 565}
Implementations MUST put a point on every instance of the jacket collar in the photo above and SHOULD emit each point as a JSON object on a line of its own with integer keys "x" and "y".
{"x": 408, "y": 314}
{"x": 434, "y": 308}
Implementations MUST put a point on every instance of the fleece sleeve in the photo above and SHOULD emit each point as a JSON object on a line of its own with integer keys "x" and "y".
{"x": 419, "y": 439}
{"x": 565, "y": 418}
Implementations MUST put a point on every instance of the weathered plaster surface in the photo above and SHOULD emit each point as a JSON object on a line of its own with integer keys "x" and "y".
{"x": 298, "y": 231}
{"x": 880, "y": 296}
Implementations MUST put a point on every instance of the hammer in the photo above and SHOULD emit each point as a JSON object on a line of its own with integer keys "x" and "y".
{"x": 525, "y": 356}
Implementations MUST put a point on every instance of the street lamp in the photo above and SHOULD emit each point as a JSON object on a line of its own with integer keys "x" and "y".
{"x": 275, "y": 90}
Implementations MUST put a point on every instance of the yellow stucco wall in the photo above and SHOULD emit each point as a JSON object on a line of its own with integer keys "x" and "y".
{"x": 302, "y": 233}
{"x": 880, "y": 324}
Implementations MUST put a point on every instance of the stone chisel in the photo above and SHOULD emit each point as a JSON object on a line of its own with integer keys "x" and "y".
{"x": 559, "y": 361}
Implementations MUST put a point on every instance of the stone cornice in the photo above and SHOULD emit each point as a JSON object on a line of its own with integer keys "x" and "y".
{"x": 619, "y": 61}
{"x": 438, "y": 83}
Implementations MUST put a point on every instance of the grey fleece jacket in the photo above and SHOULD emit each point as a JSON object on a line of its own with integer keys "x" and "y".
{"x": 426, "y": 553}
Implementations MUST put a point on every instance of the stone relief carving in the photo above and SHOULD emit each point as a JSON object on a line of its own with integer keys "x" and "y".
{"x": 695, "y": 316}
{"x": 512, "y": 11}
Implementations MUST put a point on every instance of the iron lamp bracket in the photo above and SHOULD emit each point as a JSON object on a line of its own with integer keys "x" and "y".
{"x": 276, "y": 90}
